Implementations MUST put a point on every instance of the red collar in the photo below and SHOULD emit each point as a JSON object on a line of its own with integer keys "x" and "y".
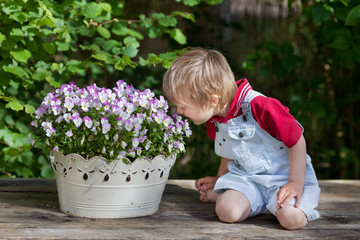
{"x": 235, "y": 107}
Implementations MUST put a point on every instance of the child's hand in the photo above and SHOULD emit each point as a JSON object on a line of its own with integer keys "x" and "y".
{"x": 205, "y": 186}
{"x": 288, "y": 192}
{"x": 205, "y": 183}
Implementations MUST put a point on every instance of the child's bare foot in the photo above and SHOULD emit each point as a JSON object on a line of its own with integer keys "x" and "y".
{"x": 208, "y": 196}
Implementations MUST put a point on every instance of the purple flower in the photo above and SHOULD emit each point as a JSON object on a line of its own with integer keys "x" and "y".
{"x": 55, "y": 101}
{"x": 115, "y": 109}
{"x": 40, "y": 112}
{"x": 69, "y": 133}
{"x": 107, "y": 106}
{"x": 77, "y": 121}
{"x": 56, "y": 110}
{"x": 96, "y": 104}
{"x": 103, "y": 97}
{"x": 88, "y": 122}
{"x": 123, "y": 117}
{"x": 104, "y": 120}
{"x": 67, "y": 117}
{"x": 47, "y": 99}
{"x": 135, "y": 142}
{"x": 128, "y": 125}
{"x": 69, "y": 104}
{"x": 130, "y": 108}
{"x": 84, "y": 105}
{"x": 106, "y": 128}
{"x": 121, "y": 155}
{"x": 50, "y": 131}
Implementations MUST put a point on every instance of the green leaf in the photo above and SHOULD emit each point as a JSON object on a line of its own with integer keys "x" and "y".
{"x": 2, "y": 37}
{"x": 11, "y": 8}
{"x": 145, "y": 21}
{"x": 178, "y": 36}
{"x": 20, "y": 17}
{"x": 49, "y": 47}
{"x": 39, "y": 75}
{"x": 16, "y": 32}
{"x": 18, "y": 71}
{"x": 43, "y": 22}
{"x": 14, "y": 105}
{"x": 62, "y": 46}
{"x": 104, "y": 32}
{"x": 99, "y": 56}
{"x": 106, "y": 7}
{"x": 131, "y": 45}
{"x": 142, "y": 62}
{"x": 4, "y": 78}
{"x": 191, "y": 3}
{"x": 340, "y": 42}
{"x": 21, "y": 55}
{"x": 121, "y": 30}
{"x": 320, "y": 14}
{"x": 8, "y": 44}
{"x": 130, "y": 50}
{"x": 119, "y": 64}
{"x": 91, "y": 10}
{"x": 214, "y": 2}
{"x": 353, "y": 18}
{"x": 168, "y": 21}
{"x": 248, "y": 64}
{"x": 128, "y": 61}
{"x": 52, "y": 82}
{"x": 185, "y": 15}
{"x": 29, "y": 109}
{"x": 110, "y": 44}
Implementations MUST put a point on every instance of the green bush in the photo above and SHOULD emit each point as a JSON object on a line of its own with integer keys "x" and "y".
{"x": 45, "y": 43}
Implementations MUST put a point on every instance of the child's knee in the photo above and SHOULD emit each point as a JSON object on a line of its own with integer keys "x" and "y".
{"x": 291, "y": 218}
{"x": 231, "y": 209}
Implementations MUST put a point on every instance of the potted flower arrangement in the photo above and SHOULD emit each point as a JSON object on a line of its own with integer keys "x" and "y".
{"x": 111, "y": 149}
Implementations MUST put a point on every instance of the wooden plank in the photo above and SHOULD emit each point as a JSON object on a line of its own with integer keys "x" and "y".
{"x": 29, "y": 209}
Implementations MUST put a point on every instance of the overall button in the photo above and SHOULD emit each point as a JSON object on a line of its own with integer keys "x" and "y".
{"x": 244, "y": 118}
{"x": 216, "y": 129}
{"x": 241, "y": 134}
{"x": 224, "y": 140}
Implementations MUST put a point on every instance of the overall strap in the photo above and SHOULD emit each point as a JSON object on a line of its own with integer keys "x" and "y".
{"x": 245, "y": 106}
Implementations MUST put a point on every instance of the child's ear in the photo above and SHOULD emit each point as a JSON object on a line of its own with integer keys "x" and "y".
{"x": 214, "y": 100}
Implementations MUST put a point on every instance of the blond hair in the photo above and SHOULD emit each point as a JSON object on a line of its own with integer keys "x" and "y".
{"x": 196, "y": 75}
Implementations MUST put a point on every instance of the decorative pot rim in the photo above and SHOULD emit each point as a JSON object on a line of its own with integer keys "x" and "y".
{"x": 128, "y": 161}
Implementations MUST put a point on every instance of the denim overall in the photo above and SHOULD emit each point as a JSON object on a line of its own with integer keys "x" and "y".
{"x": 260, "y": 164}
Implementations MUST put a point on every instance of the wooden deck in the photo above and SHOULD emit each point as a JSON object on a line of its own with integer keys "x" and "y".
{"x": 29, "y": 210}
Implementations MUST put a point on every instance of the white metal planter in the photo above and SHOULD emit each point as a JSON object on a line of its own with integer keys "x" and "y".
{"x": 96, "y": 188}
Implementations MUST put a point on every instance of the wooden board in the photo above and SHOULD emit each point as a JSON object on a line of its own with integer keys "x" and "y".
{"x": 29, "y": 210}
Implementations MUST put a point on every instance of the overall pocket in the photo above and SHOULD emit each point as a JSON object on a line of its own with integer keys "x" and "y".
{"x": 248, "y": 148}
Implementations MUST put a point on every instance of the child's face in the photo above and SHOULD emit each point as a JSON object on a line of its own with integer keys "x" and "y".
{"x": 194, "y": 113}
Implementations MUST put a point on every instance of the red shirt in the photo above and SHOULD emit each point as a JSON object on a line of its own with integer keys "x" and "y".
{"x": 270, "y": 114}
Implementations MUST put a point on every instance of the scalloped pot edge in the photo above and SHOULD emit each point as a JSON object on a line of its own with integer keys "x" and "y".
{"x": 97, "y": 188}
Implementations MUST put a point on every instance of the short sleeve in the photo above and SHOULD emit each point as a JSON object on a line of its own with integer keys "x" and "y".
{"x": 211, "y": 131}
{"x": 276, "y": 120}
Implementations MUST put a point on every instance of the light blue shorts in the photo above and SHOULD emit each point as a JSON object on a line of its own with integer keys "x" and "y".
{"x": 261, "y": 189}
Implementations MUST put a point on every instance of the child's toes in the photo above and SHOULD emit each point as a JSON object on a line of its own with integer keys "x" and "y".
{"x": 203, "y": 197}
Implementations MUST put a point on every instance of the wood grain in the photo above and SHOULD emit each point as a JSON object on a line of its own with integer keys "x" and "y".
{"x": 29, "y": 210}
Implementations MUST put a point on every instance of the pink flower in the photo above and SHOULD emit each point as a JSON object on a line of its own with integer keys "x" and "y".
{"x": 88, "y": 122}
{"x": 69, "y": 133}
{"x": 77, "y": 121}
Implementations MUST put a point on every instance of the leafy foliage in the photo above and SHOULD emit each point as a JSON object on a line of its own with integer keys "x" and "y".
{"x": 46, "y": 43}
